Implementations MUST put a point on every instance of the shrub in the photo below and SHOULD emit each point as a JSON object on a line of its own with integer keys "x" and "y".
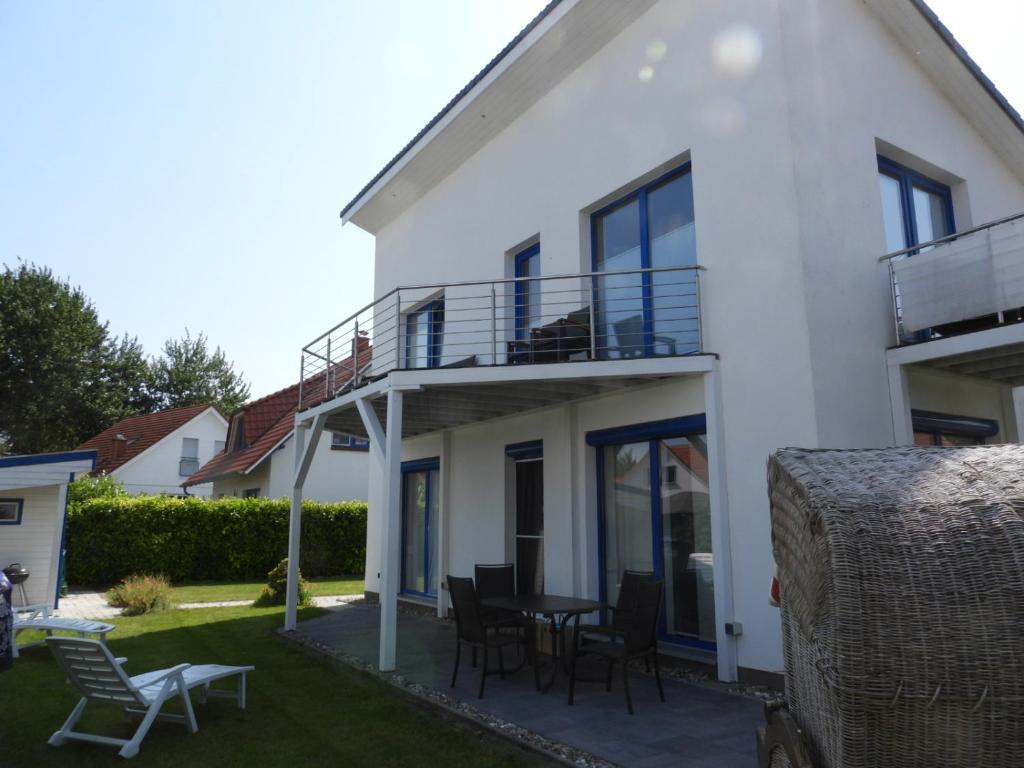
{"x": 142, "y": 594}
{"x": 86, "y": 487}
{"x": 277, "y": 587}
{"x": 193, "y": 539}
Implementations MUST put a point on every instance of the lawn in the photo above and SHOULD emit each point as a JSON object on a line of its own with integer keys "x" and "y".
{"x": 302, "y": 710}
{"x": 215, "y": 591}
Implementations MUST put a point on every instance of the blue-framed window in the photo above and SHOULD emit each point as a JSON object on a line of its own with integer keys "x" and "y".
{"x": 649, "y": 313}
{"x": 11, "y": 511}
{"x": 343, "y": 442}
{"x": 528, "y": 306}
{"x": 654, "y": 514}
{"x": 424, "y": 336}
{"x": 915, "y": 209}
{"x": 421, "y": 481}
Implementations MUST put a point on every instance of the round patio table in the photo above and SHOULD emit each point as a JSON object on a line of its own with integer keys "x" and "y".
{"x": 550, "y": 607}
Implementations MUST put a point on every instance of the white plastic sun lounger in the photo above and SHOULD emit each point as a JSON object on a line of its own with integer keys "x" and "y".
{"x": 38, "y": 617}
{"x": 98, "y": 676}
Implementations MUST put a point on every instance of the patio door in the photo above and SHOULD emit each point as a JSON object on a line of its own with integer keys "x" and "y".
{"x": 655, "y": 516}
{"x": 420, "y": 486}
{"x": 528, "y": 516}
{"x": 642, "y": 314}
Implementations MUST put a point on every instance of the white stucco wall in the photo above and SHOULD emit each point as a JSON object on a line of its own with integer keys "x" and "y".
{"x": 959, "y": 395}
{"x": 35, "y": 543}
{"x": 789, "y": 227}
{"x": 155, "y": 470}
{"x": 333, "y": 476}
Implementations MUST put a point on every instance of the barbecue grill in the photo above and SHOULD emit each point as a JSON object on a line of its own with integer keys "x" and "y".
{"x": 17, "y": 574}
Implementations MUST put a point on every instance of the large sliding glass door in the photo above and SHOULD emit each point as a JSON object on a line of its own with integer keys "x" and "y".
{"x": 656, "y": 516}
{"x": 420, "y": 487}
{"x": 647, "y": 313}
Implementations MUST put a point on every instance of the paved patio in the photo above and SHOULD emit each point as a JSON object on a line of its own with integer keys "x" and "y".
{"x": 699, "y": 726}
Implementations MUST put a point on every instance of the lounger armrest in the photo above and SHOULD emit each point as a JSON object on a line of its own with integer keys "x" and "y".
{"x": 37, "y": 610}
{"x": 169, "y": 673}
{"x": 120, "y": 660}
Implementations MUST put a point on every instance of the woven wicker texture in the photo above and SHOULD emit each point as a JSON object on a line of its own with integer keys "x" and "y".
{"x": 902, "y": 575}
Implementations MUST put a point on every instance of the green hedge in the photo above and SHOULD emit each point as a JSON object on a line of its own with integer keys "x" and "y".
{"x": 195, "y": 539}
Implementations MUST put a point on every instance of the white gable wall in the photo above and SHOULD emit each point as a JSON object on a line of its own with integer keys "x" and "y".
{"x": 333, "y": 476}
{"x": 155, "y": 470}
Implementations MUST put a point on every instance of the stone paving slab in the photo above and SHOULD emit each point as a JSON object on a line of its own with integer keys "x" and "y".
{"x": 698, "y": 725}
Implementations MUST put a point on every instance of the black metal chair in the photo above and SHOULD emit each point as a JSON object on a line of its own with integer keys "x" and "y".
{"x": 621, "y": 612}
{"x": 470, "y": 628}
{"x": 640, "y": 640}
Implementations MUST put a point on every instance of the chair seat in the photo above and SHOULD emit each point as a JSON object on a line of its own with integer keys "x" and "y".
{"x": 199, "y": 674}
{"x": 605, "y": 649}
{"x": 601, "y": 629}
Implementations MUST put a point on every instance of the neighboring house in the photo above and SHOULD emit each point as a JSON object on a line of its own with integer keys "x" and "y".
{"x": 259, "y": 459}
{"x": 33, "y": 509}
{"x": 642, "y": 250}
{"x": 155, "y": 452}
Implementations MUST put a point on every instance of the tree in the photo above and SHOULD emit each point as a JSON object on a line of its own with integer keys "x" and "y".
{"x": 188, "y": 374}
{"x": 62, "y": 379}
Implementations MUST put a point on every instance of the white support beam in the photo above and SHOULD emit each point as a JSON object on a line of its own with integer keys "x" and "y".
{"x": 306, "y": 441}
{"x": 1018, "y": 411}
{"x": 443, "y": 516}
{"x": 721, "y": 530}
{"x": 374, "y": 431}
{"x": 391, "y": 533}
{"x": 899, "y": 403}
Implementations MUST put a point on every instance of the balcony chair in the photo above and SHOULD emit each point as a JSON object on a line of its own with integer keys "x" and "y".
{"x": 98, "y": 676}
{"x": 639, "y": 640}
{"x": 470, "y": 628}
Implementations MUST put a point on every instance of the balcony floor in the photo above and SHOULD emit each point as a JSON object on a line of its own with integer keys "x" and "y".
{"x": 698, "y": 726}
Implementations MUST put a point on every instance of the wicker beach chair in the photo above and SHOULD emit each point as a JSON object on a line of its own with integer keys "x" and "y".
{"x": 902, "y": 576}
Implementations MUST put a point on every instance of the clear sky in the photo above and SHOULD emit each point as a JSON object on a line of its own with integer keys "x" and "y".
{"x": 185, "y": 161}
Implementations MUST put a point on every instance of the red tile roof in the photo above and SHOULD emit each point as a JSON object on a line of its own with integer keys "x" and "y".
{"x": 266, "y": 422}
{"x": 141, "y": 431}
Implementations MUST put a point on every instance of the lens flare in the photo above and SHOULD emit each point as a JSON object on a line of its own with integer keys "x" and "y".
{"x": 646, "y": 73}
{"x": 737, "y": 51}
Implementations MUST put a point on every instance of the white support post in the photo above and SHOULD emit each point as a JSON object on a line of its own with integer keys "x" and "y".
{"x": 721, "y": 536}
{"x": 1018, "y": 411}
{"x": 391, "y": 533}
{"x": 899, "y": 401}
{"x": 443, "y": 511}
{"x": 306, "y": 441}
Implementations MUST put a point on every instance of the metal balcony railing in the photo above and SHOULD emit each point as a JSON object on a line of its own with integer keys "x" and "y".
{"x": 510, "y": 321}
{"x": 963, "y": 282}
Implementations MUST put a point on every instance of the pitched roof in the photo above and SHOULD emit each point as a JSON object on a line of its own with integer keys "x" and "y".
{"x": 142, "y": 432}
{"x": 266, "y": 422}
{"x": 920, "y": 5}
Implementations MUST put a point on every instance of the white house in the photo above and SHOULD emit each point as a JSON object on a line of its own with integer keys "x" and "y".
{"x": 259, "y": 457}
{"x": 33, "y": 510}
{"x": 156, "y": 452}
{"x": 645, "y": 248}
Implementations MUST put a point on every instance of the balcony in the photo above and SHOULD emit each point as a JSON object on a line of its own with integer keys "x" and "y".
{"x": 967, "y": 282}
{"x": 591, "y": 316}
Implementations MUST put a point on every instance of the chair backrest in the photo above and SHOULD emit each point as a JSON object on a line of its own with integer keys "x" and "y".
{"x": 643, "y": 627}
{"x": 468, "y": 620}
{"x": 91, "y": 668}
{"x": 626, "y": 601}
{"x": 495, "y": 580}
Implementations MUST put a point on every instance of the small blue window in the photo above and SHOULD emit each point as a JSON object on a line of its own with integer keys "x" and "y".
{"x": 915, "y": 209}
{"x": 528, "y": 309}
{"x": 424, "y": 336}
{"x": 342, "y": 442}
{"x": 10, "y": 511}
